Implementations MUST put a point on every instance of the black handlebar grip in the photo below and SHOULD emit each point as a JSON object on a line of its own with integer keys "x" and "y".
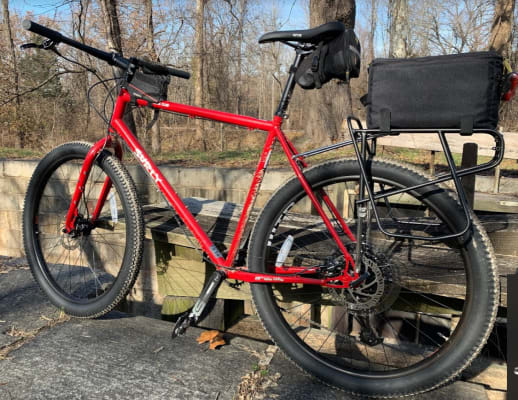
{"x": 162, "y": 69}
{"x": 178, "y": 72}
{"x": 42, "y": 30}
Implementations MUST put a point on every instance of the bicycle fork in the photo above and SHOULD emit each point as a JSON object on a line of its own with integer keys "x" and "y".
{"x": 96, "y": 149}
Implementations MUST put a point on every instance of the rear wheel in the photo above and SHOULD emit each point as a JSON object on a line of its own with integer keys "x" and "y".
{"x": 421, "y": 315}
{"x": 88, "y": 272}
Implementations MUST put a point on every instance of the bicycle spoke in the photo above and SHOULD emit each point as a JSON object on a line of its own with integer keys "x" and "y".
{"x": 313, "y": 246}
{"x": 73, "y": 260}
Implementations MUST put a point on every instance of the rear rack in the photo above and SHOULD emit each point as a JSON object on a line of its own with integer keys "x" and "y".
{"x": 364, "y": 143}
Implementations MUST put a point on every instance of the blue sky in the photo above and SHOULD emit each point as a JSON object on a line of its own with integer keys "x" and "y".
{"x": 291, "y": 11}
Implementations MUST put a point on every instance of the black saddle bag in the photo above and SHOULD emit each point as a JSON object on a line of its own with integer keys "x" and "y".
{"x": 449, "y": 91}
{"x": 339, "y": 58}
{"x": 148, "y": 86}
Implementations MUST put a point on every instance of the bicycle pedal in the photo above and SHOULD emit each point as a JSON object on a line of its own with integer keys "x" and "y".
{"x": 181, "y": 325}
{"x": 192, "y": 317}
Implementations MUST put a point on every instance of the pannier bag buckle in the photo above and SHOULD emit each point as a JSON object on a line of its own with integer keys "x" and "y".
{"x": 314, "y": 63}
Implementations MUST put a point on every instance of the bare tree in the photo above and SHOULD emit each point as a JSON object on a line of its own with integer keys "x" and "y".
{"x": 502, "y": 28}
{"x": 239, "y": 17}
{"x": 111, "y": 24}
{"x": 114, "y": 39}
{"x": 197, "y": 69}
{"x": 151, "y": 50}
{"x": 452, "y": 26}
{"x": 372, "y": 30}
{"x": 79, "y": 29}
{"x": 326, "y": 108}
{"x": 9, "y": 39}
{"x": 399, "y": 28}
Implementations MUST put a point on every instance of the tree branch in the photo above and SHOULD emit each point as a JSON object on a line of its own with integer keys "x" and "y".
{"x": 40, "y": 85}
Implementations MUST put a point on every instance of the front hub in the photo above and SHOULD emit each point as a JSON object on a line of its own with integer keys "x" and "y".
{"x": 82, "y": 227}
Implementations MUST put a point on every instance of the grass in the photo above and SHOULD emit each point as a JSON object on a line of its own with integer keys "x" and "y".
{"x": 11, "y": 153}
{"x": 249, "y": 157}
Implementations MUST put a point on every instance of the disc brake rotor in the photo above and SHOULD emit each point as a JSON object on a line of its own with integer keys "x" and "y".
{"x": 376, "y": 293}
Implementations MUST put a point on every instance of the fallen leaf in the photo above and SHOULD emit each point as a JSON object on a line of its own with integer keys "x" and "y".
{"x": 158, "y": 350}
{"x": 43, "y": 317}
{"x": 207, "y": 336}
{"x": 217, "y": 341}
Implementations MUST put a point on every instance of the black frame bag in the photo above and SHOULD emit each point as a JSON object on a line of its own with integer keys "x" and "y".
{"x": 148, "y": 86}
{"x": 452, "y": 91}
{"x": 339, "y": 58}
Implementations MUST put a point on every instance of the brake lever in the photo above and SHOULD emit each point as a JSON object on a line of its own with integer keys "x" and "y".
{"x": 47, "y": 44}
{"x": 30, "y": 46}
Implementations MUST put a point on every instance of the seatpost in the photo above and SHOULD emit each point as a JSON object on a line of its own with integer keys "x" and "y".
{"x": 290, "y": 84}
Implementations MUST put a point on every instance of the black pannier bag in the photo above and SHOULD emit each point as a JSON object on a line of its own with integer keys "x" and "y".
{"x": 148, "y": 86}
{"x": 452, "y": 91}
{"x": 339, "y": 58}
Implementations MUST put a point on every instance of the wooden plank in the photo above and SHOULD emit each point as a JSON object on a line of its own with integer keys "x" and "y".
{"x": 498, "y": 203}
{"x": 503, "y": 232}
{"x": 469, "y": 159}
{"x": 217, "y": 218}
{"x": 430, "y": 141}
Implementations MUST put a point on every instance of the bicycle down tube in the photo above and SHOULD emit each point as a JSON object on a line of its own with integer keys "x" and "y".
{"x": 282, "y": 274}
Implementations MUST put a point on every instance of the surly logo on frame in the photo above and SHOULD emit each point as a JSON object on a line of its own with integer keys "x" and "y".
{"x": 147, "y": 165}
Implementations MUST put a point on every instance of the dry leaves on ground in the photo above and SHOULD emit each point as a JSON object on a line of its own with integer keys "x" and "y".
{"x": 27, "y": 336}
{"x": 215, "y": 339}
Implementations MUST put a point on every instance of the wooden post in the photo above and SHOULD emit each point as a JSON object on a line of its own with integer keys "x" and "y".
{"x": 432, "y": 162}
{"x": 348, "y": 207}
{"x": 496, "y": 182}
{"x": 222, "y": 137}
{"x": 469, "y": 159}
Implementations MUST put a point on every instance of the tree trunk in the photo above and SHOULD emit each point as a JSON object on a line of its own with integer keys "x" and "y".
{"x": 79, "y": 31}
{"x": 372, "y": 31}
{"x": 20, "y": 136}
{"x": 239, "y": 93}
{"x": 502, "y": 28}
{"x": 398, "y": 10}
{"x": 326, "y": 108}
{"x": 150, "y": 44}
{"x": 111, "y": 24}
{"x": 114, "y": 39}
{"x": 197, "y": 69}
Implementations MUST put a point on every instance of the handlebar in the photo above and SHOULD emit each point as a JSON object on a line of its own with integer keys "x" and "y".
{"x": 111, "y": 58}
{"x": 161, "y": 69}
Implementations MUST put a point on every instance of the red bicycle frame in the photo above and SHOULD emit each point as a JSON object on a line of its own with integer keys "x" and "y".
{"x": 282, "y": 274}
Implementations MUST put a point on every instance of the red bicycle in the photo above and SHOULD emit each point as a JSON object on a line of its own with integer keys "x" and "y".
{"x": 398, "y": 307}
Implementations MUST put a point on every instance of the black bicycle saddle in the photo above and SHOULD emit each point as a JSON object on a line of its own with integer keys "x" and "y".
{"x": 321, "y": 33}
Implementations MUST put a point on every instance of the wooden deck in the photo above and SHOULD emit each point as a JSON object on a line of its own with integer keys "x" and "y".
{"x": 182, "y": 271}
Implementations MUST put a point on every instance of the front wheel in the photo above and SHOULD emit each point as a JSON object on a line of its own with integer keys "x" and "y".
{"x": 87, "y": 272}
{"x": 422, "y": 314}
